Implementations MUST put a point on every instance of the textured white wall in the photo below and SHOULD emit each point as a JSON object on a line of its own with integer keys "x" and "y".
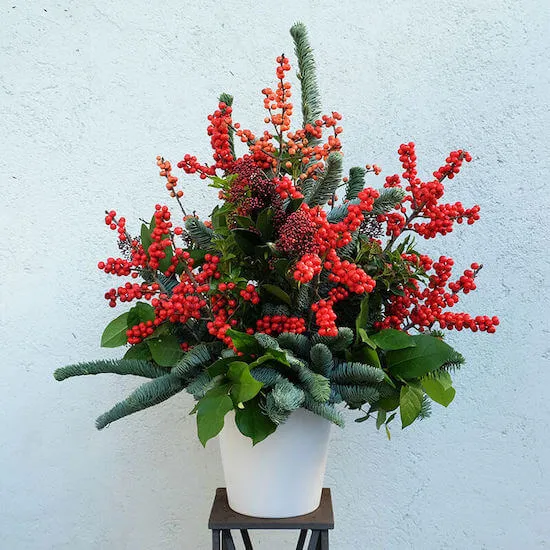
{"x": 91, "y": 91}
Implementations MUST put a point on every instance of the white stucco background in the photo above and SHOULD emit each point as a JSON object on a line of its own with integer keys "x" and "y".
{"x": 91, "y": 92}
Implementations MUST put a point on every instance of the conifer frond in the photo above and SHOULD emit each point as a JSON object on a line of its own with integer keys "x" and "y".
{"x": 199, "y": 385}
{"x": 304, "y": 298}
{"x": 425, "y": 408}
{"x": 287, "y": 396}
{"x": 168, "y": 283}
{"x": 316, "y": 384}
{"x": 328, "y": 181}
{"x": 321, "y": 359}
{"x": 272, "y": 409}
{"x": 228, "y": 100}
{"x": 335, "y": 397}
{"x": 296, "y": 343}
{"x": 350, "y": 250}
{"x": 266, "y": 341}
{"x": 268, "y": 377}
{"x": 192, "y": 362}
{"x": 325, "y": 410}
{"x": 275, "y": 309}
{"x": 137, "y": 367}
{"x": 201, "y": 235}
{"x": 151, "y": 393}
{"x": 356, "y": 373}
{"x": 336, "y": 343}
{"x": 454, "y": 363}
{"x": 356, "y": 182}
{"x": 311, "y": 101}
{"x": 387, "y": 200}
{"x": 357, "y": 395}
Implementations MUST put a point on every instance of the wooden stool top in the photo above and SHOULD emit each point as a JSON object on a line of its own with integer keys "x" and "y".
{"x": 223, "y": 517}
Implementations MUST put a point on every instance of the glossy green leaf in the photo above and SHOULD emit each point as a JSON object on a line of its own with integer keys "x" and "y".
{"x": 244, "y": 342}
{"x": 438, "y": 390}
{"x": 410, "y": 403}
{"x": 139, "y": 351}
{"x": 253, "y": 423}
{"x": 365, "y": 338}
{"x": 246, "y": 240}
{"x": 380, "y": 418}
{"x": 244, "y": 385}
{"x": 264, "y": 224}
{"x": 145, "y": 238}
{"x": 278, "y": 355}
{"x": 165, "y": 349}
{"x": 114, "y": 334}
{"x": 391, "y": 339}
{"x": 140, "y": 313}
{"x": 362, "y": 318}
{"x": 428, "y": 355}
{"x": 211, "y": 411}
{"x": 278, "y": 293}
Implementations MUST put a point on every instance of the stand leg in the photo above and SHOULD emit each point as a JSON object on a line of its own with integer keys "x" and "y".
{"x": 323, "y": 542}
{"x": 227, "y": 540}
{"x": 314, "y": 541}
{"x": 215, "y": 539}
{"x": 302, "y": 539}
{"x": 246, "y": 540}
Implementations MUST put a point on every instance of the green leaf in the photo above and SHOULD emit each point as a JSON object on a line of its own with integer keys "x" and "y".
{"x": 264, "y": 224}
{"x": 211, "y": 412}
{"x": 278, "y": 293}
{"x": 428, "y": 355}
{"x": 389, "y": 403}
{"x": 246, "y": 240}
{"x": 362, "y": 419}
{"x": 293, "y": 205}
{"x": 220, "y": 366}
{"x": 165, "y": 349}
{"x": 278, "y": 355}
{"x": 140, "y": 313}
{"x": 166, "y": 262}
{"x": 281, "y": 266}
{"x": 114, "y": 334}
{"x": 362, "y": 318}
{"x": 367, "y": 355}
{"x": 380, "y": 418}
{"x": 139, "y": 351}
{"x": 253, "y": 423}
{"x": 245, "y": 386}
{"x": 410, "y": 403}
{"x": 145, "y": 238}
{"x": 244, "y": 342}
{"x": 365, "y": 338}
{"x": 388, "y": 434}
{"x": 438, "y": 390}
{"x": 391, "y": 339}
{"x": 244, "y": 221}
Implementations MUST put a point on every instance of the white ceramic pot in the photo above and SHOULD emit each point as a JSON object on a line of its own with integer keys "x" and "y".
{"x": 282, "y": 476}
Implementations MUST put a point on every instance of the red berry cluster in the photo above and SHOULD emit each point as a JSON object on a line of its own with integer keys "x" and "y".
{"x": 249, "y": 294}
{"x": 130, "y": 292}
{"x": 298, "y": 235}
{"x": 307, "y": 267}
{"x": 139, "y": 332}
{"x": 348, "y": 274}
{"x": 325, "y": 317}
{"x": 276, "y": 324}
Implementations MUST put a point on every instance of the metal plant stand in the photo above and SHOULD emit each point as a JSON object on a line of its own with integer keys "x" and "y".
{"x": 223, "y": 520}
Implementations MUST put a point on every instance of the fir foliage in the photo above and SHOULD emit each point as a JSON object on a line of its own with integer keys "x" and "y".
{"x": 287, "y": 396}
{"x": 277, "y": 414}
{"x": 266, "y": 341}
{"x": 275, "y": 309}
{"x": 316, "y": 384}
{"x": 356, "y": 373}
{"x": 387, "y": 200}
{"x": 191, "y": 363}
{"x": 168, "y": 283}
{"x": 268, "y": 377}
{"x": 304, "y": 298}
{"x": 151, "y": 393}
{"x": 200, "y": 385}
{"x": 328, "y": 182}
{"x": 311, "y": 101}
{"x": 325, "y": 410}
{"x": 356, "y": 182}
{"x": 296, "y": 343}
{"x": 338, "y": 213}
{"x": 199, "y": 233}
{"x": 425, "y": 408}
{"x": 336, "y": 343}
{"x": 321, "y": 359}
{"x": 228, "y": 100}
{"x": 137, "y": 367}
{"x": 357, "y": 395}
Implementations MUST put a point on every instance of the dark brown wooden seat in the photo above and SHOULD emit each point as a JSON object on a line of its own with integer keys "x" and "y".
{"x": 223, "y": 519}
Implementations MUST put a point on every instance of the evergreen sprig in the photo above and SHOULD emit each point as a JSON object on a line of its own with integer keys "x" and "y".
{"x": 328, "y": 182}
{"x": 136, "y": 367}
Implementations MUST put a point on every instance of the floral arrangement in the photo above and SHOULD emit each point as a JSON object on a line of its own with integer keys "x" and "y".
{"x": 304, "y": 288}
